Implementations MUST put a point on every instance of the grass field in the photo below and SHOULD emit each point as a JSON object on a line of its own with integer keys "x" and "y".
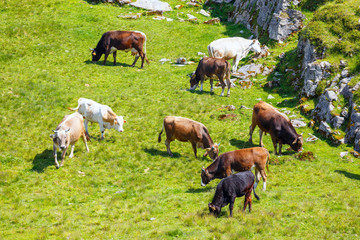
{"x": 127, "y": 187}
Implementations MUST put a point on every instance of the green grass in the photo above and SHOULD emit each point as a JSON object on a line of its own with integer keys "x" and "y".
{"x": 131, "y": 188}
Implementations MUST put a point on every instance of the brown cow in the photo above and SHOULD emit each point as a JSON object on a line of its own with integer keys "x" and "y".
{"x": 187, "y": 130}
{"x": 270, "y": 120}
{"x": 208, "y": 67}
{"x": 112, "y": 41}
{"x": 68, "y": 133}
{"x": 238, "y": 160}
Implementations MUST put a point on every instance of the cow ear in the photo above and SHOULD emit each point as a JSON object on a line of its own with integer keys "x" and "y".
{"x": 52, "y": 135}
{"x": 91, "y": 49}
{"x": 206, "y": 172}
{"x": 116, "y": 122}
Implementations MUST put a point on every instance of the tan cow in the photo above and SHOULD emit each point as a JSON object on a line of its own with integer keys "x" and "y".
{"x": 270, "y": 120}
{"x": 187, "y": 130}
{"x": 68, "y": 133}
{"x": 238, "y": 160}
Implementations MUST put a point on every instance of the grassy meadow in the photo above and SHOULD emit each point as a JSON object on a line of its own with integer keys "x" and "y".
{"x": 127, "y": 187}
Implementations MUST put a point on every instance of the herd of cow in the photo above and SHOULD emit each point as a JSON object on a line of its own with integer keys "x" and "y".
{"x": 265, "y": 116}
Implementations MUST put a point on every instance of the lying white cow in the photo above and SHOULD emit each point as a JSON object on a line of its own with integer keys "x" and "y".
{"x": 68, "y": 133}
{"x": 102, "y": 114}
{"x": 235, "y": 48}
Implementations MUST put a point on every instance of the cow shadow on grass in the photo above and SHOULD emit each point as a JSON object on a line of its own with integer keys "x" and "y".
{"x": 200, "y": 189}
{"x": 348, "y": 174}
{"x": 156, "y": 152}
{"x": 42, "y": 160}
{"x": 200, "y": 92}
{"x": 108, "y": 63}
{"x": 242, "y": 144}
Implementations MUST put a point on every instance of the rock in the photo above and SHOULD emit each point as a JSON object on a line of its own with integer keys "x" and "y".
{"x": 150, "y": 13}
{"x": 345, "y": 73}
{"x": 330, "y": 95}
{"x": 159, "y": 18}
{"x": 343, "y": 64}
{"x": 201, "y": 54}
{"x": 204, "y": 13}
{"x": 325, "y": 129}
{"x": 153, "y": 5}
{"x": 272, "y": 84}
{"x": 270, "y": 97}
{"x": 297, "y": 123}
{"x": 311, "y": 124}
{"x": 212, "y": 21}
{"x": 337, "y": 121}
{"x": 230, "y": 107}
{"x": 245, "y": 84}
{"x": 323, "y": 109}
{"x": 345, "y": 112}
{"x": 191, "y": 17}
{"x": 120, "y": 191}
{"x": 343, "y": 154}
{"x": 287, "y": 112}
{"x": 244, "y": 107}
{"x": 312, "y": 138}
{"x": 267, "y": 71}
{"x": 130, "y": 16}
{"x": 250, "y": 70}
{"x": 181, "y": 60}
{"x": 123, "y": 2}
{"x": 230, "y": 116}
{"x": 179, "y": 6}
{"x": 312, "y": 75}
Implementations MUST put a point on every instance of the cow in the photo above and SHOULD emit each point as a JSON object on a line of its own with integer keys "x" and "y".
{"x": 208, "y": 67}
{"x": 238, "y": 160}
{"x": 68, "y": 132}
{"x": 231, "y": 187}
{"x": 270, "y": 120}
{"x": 187, "y": 130}
{"x": 235, "y": 48}
{"x": 102, "y": 114}
{"x": 112, "y": 41}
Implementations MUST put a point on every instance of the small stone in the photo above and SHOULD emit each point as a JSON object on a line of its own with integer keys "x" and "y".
{"x": 204, "y": 13}
{"x": 298, "y": 123}
{"x": 120, "y": 191}
{"x": 191, "y": 17}
{"x": 212, "y": 21}
{"x": 270, "y": 97}
{"x": 87, "y": 85}
{"x": 244, "y": 107}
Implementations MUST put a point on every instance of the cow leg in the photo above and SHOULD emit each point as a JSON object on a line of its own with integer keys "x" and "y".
{"x": 275, "y": 145}
{"x": 194, "y": 148}
{"x": 211, "y": 84}
{"x": 257, "y": 177}
{"x": 86, "y": 126}
{"x": 85, "y": 141}
{"x": 63, "y": 157}
{"x": 252, "y": 127}
{"x": 102, "y": 129}
{"x": 114, "y": 55}
{"x": 167, "y": 143}
{"x": 136, "y": 58}
{"x": 261, "y": 135}
{"x": 72, "y": 151}
{"x": 248, "y": 200}
{"x": 55, "y": 156}
{"x": 202, "y": 82}
{"x": 263, "y": 175}
{"x": 280, "y": 146}
{"x": 106, "y": 56}
{"x": 231, "y": 205}
{"x": 229, "y": 85}
{"x": 142, "y": 55}
{"x": 236, "y": 61}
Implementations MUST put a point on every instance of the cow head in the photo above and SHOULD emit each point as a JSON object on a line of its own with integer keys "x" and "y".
{"x": 61, "y": 138}
{"x": 255, "y": 46}
{"x": 296, "y": 145}
{"x": 118, "y": 123}
{"x": 194, "y": 82}
{"x": 205, "y": 178}
{"x": 95, "y": 55}
{"x": 214, "y": 209}
{"x": 213, "y": 152}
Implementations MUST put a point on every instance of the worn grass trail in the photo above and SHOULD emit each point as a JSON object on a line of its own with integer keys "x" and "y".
{"x": 127, "y": 186}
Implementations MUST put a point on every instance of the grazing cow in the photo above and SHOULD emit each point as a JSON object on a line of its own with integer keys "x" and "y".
{"x": 68, "y": 133}
{"x": 238, "y": 160}
{"x": 102, "y": 114}
{"x": 209, "y": 67}
{"x": 112, "y": 41}
{"x": 235, "y": 48}
{"x": 187, "y": 130}
{"x": 231, "y": 187}
{"x": 270, "y": 120}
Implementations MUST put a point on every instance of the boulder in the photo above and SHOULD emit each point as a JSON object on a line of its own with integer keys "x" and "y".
{"x": 297, "y": 123}
{"x": 312, "y": 75}
{"x": 325, "y": 129}
{"x": 337, "y": 121}
{"x": 250, "y": 70}
{"x": 323, "y": 110}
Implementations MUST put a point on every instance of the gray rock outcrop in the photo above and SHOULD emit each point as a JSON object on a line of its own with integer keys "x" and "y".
{"x": 313, "y": 73}
{"x": 152, "y": 5}
{"x": 273, "y": 17}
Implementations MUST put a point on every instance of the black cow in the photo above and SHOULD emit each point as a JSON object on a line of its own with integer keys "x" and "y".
{"x": 112, "y": 41}
{"x": 209, "y": 67}
{"x": 236, "y": 185}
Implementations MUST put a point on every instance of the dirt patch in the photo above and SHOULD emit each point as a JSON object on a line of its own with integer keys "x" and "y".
{"x": 230, "y": 116}
{"x": 306, "y": 156}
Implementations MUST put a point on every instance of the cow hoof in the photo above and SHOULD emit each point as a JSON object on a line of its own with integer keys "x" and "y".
{"x": 57, "y": 166}
{"x": 71, "y": 156}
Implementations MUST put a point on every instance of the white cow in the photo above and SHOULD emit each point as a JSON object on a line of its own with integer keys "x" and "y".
{"x": 235, "y": 48}
{"x": 102, "y": 114}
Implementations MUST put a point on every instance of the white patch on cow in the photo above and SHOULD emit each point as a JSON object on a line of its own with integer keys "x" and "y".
{"x": 113, "y": 49}
{"x": 264, "y": 186}
{"x": 252, "y": 167}
{"x": 202, "y": 184}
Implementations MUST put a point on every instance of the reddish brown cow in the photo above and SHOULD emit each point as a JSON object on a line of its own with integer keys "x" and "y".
{"x": 209, "y": 67}
{"x": 187, "y": 130}
{"x": 112, "y": 41}
{"x": 238, "y": 160}
{"x": 270, "y": 120}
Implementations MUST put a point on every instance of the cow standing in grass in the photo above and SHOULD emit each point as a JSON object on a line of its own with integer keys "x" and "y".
{"x": 209, "y": 67}
{"x": 112, "y": 41}
{"x": 187, "y": 130}
{"x": 270, "y": 120}
{"x": 229, "y": 188}
{"x": 238, "y": 160}
{"x": 102, "y": 114}
{"x": 68, "y": 133}
{"x": 235, "y": 48}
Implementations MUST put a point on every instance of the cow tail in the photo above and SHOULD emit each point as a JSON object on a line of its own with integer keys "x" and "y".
{"x": 146, "y": 59}
{"x": 73, "y": 109}
{"x": 268, "y": 161}
{"x": 211, "y": 54}
{"x": 159, "y": 138}
{"x": 257, "y": 197}
{"x": 87, "y": 137}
